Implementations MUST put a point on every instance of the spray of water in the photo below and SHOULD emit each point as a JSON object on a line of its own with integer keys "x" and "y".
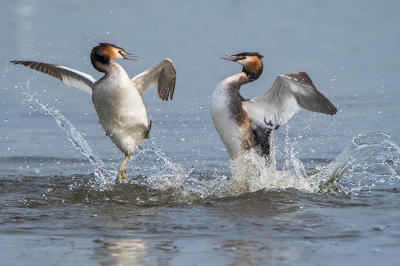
{"x": 103, "y": 175}
{"x": 250, "y": 172}
{"x": 367, "y": 160}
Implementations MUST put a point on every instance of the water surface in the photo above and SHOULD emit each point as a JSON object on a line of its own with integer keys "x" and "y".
{"x": 186, "y": 205}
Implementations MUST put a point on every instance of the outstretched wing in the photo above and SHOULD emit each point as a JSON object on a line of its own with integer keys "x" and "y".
{"x": 68, "y": 76}
{"x": 162, "y": 75}
{"x": 284, "y": 99}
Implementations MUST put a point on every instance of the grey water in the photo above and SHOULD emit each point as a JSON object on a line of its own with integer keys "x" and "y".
{"x": 330, "y": 198}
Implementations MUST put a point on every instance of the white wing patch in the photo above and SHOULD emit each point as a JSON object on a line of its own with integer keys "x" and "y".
{"x": 81, "y": 84}
{"x": 288, "y": 93}
{"x": 162, "y": 75}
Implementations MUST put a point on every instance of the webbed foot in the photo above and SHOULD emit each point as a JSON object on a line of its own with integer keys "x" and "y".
{"x": 122, "y": 177}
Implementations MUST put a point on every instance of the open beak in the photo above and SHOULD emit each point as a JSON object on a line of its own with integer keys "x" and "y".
{"x": 234, "y": 58}
{"x": 129, "y": 56}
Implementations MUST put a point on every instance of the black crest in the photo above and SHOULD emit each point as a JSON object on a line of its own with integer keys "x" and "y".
{"x": 250, "y": 54}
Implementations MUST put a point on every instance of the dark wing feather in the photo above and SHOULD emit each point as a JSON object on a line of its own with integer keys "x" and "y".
{"x": 68, "y": 76}
{"x": 162, "y": 75}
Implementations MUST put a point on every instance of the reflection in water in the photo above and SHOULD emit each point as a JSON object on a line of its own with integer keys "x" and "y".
{"x": 242, "y": 252}
{"x": 133, "y": 252}
{"x": 121, "y": 252}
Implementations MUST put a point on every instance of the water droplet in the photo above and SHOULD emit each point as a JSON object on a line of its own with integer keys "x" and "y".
{"x": 183, "y": 139}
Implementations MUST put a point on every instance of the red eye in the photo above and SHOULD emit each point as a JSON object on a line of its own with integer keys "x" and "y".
{"x": 119, "y": 51}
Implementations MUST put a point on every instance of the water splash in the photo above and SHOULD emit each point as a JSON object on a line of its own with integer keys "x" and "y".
{"x": 369, "y": 161}
{"x": 104, "y": 176}
{"x": 184, "y": 185}
{"x": 250, "y": 172}
{"x": 170, "y": 175}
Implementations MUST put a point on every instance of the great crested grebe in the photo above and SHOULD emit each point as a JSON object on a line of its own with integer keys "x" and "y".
{"x": 244, "y": 124}
{"x": 116, "y": 97}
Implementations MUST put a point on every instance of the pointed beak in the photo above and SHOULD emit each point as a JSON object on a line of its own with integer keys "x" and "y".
{"x": 234, "y": 58}
{"x": 129, "y": 56}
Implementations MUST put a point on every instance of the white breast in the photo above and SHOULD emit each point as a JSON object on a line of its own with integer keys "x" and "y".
{"x": 224, "y": 123}
{"x": 121, "y": 110}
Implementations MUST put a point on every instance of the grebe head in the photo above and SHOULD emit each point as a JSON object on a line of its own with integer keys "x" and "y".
{"x": 251, "y": 62}
{"x": 104, "y": 52}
